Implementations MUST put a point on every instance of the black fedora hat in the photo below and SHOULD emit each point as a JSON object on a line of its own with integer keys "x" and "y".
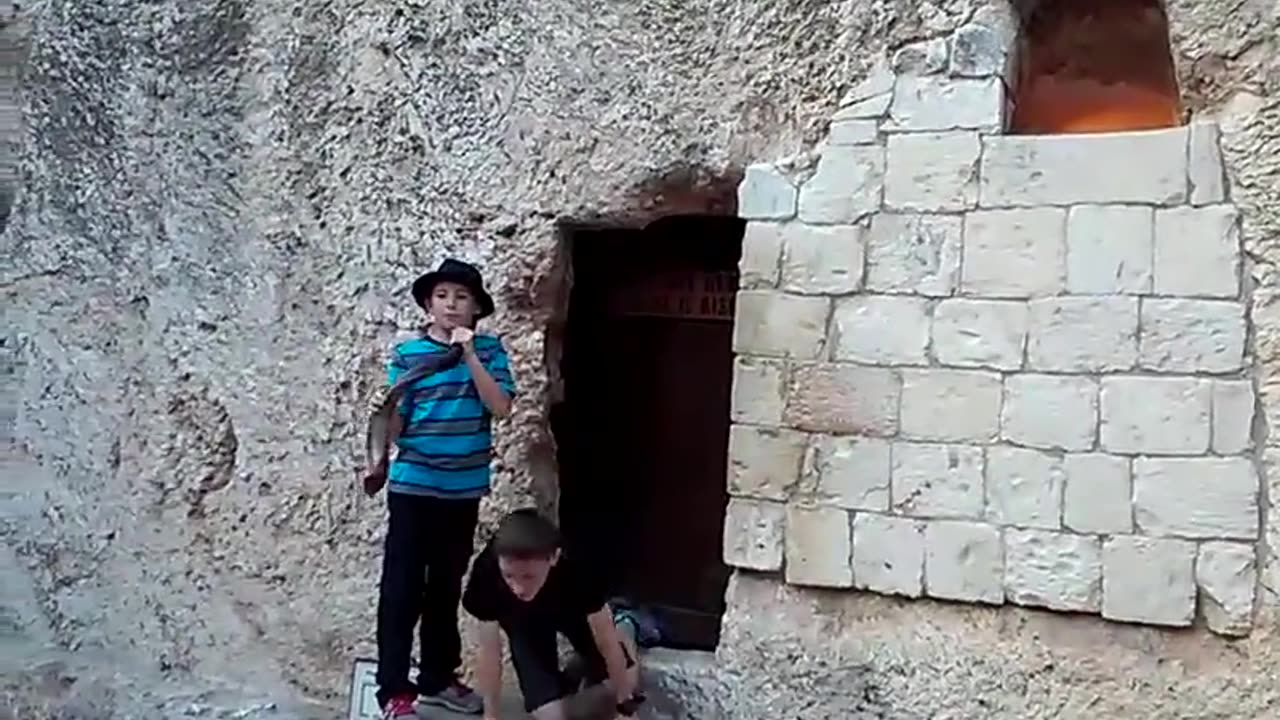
{"x": 454, "y": 271}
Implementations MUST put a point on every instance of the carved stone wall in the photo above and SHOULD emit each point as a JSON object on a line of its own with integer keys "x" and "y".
{"x": 996, "y": 369}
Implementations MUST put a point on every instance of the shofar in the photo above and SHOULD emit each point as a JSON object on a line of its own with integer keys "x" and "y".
{"x": 377, "y": 435}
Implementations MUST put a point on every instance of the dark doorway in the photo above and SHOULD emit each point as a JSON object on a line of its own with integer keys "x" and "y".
{"x": 643, "y": 429}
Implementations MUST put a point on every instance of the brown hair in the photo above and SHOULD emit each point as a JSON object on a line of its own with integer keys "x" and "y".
{"x": 526, "y": 535}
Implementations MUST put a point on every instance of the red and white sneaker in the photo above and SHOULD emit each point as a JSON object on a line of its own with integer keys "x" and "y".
{"x": 400, "y": 706}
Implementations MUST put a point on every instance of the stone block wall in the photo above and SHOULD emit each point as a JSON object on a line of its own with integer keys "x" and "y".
{"x": 995, "y": 369}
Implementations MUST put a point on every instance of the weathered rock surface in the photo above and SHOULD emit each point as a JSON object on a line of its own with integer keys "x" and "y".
{"x": 221, "y": 205}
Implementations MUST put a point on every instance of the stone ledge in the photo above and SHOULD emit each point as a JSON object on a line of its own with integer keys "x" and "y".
{"x": 1147, "y": 167}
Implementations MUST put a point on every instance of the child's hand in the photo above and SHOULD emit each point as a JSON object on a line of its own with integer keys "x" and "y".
{"x": 462, "y": 336}
{"x": 374, "y": 479}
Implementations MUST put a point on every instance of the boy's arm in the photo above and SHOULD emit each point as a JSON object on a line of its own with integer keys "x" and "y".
{"x": 609, "y": 641}
{"x": 478, "y": 601}
{"x": 489, "y": 668}
{"x": 492, "y": 377}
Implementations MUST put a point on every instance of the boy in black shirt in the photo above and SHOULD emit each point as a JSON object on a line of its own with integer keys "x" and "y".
{"x": 523, "y": 586}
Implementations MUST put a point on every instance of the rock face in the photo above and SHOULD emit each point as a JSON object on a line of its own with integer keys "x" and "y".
{"x": 220, "y": 207}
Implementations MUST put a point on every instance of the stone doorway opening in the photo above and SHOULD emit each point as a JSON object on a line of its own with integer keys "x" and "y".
{"x": 1095, "y": 66}
{"x": 642, "y": 422}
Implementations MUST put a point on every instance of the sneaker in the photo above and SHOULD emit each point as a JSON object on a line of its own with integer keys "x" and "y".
{"x": 457, "y": 698}
{"x": 398, "y": 707}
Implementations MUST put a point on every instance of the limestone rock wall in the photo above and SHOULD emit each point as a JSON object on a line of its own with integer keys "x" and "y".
{"x": 220, "y": 206}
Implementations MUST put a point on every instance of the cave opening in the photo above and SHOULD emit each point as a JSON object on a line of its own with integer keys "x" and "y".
{"x": 1089, "y": 66}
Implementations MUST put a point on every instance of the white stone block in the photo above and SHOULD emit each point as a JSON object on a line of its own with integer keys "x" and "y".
{"x": 871, "y": 96}
{"x": 1198, "y": 251}
{"x": 1196, "y": 497}
{"x": 1098, "y": 495}
{"x": 759, "y": 390}
{"x": 932, "y": 171}
{"x": 1014, "y": 253}
{"x": 761, "y": 256}
{"x": 881, "y": 330}
{"x": 854, "y": 132}
{"x": 1054, "y": 412}
{"x": 837, "y": 398}
{"x": 922, "y": 103}
{"x": 1053, "y": 570}
{"x": 1206, "y": 171}
{"x": 764, "y": 463}
{"x": 818, "y": 547}
{"x": 1024, "y": 488}
{"x": 753, "y": 534}
{"x": 1227, "y": 576}
{"x": 888, "y": 554}
{"x": 937, "y": 481}
{"x": 1109, "y": 249}
{"x": 1148, "y": 580}
{"x": 1083, "y": 334}
{"x": 874, "y": 107}
{"x": 917, "y": 254}
{"x": 846, "y": 187}
{"x": 963, "y": 561}
{"x": 779, "y": 325}
{"x": 1180, "y": 335}
{"x": 1233, "y": 411}
{"x": 980, "y": 333}
{"x": 950, "y": 405}
{"x": 766, "y": 194}
{"x": 853, "y": 472}
{"x": 822, "y": 259}
{"x": 1145, "y": 167}
{"x": 978, "y": 50}
{"x": 1155, "y": 416}
{"x": 926, "y": 57}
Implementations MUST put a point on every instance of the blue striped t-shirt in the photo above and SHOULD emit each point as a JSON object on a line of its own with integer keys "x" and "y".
{"x": 445, "y": 445}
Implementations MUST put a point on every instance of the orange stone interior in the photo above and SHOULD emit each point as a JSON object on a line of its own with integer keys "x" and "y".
{"x": 1096, "y": 66}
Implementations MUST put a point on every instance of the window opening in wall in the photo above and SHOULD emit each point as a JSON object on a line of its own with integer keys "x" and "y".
{"x": 1095, "y": 66}
{"x": 643, "y": 428}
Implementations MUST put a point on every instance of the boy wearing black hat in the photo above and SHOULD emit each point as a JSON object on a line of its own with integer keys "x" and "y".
{"x": 441, "y": 470}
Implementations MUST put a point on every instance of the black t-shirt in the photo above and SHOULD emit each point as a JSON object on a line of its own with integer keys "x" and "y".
{"x": 569, "y": 595}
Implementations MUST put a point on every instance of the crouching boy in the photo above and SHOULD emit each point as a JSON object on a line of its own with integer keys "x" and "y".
{"x": 523, "y": 586}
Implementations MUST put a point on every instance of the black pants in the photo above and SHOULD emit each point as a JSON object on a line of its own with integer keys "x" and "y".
{"x": 537, "y": 662}
{"x": 432, "y": 537}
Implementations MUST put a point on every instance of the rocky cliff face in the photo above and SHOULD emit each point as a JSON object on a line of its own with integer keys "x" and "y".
{"x": 220, "y": 207}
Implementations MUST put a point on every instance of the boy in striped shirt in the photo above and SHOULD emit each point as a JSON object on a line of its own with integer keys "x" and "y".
{"x": 441, "y": 470}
